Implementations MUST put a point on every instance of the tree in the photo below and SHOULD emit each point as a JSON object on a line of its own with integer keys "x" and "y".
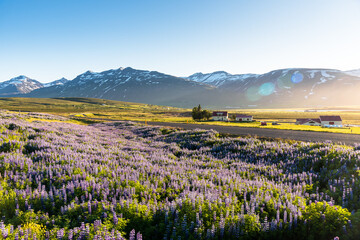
{"x": 196, "y": 113}
{"x": 199, "y": 114}
{"x": 206, "y": 114}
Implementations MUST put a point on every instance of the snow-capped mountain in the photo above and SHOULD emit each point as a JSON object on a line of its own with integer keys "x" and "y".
{"x": 24, "y": 85}
{"x": 292, "y": 87}
{"x": 221, "y": 78}
{"x": 61, "y": 81}
{"x": 19, "y": 85}
{"x": 128, "y": 84}
{"x": 288, "y": 87}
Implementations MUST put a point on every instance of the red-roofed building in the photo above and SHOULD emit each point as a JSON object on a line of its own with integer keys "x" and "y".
{"x": 322, "y": 121}
{"x": 220, "y": 116}
{"x": 243, "y": 118}
{"x": 331, "y": 120}
{"x": 308, "y": 121}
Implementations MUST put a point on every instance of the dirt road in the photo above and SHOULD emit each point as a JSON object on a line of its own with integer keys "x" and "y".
{"x": 348, "y": 139}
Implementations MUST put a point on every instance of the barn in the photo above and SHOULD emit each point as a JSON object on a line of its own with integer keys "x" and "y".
{"x": 308, "y": 121}
{"x": 331, "y": 121}
{"x": 220, "y": 116}
{"x": 243, "y": 118}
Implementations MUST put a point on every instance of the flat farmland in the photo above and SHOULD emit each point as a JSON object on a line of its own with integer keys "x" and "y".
{"x": 100, "y": 109}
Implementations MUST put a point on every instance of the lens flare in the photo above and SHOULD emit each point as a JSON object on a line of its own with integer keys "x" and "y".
{"x": 285, "y": 81}
{"x": 252, "y": 94}
{"x": 266, "y": 89}
{"x": 297, "y": 77}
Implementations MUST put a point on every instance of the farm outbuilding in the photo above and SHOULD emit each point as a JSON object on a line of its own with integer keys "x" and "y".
{"x": 243, "y": 118}
{"x": 220, "y": 116}
{"x": 308, "y": 121}
{"x": 331, "y": 121}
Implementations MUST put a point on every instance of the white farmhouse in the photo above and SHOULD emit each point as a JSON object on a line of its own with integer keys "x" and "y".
{"x": 243, "y": 118}
{"x": 220, "y": 116}
{"x": 324, "y": 121}
{"x": 331, "y": 121}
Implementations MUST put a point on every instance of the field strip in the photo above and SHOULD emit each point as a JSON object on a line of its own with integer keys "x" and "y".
{"x": 308, "y": 136}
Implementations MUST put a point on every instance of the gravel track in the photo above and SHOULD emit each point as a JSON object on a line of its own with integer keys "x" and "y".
{"x": 308, "y": 136}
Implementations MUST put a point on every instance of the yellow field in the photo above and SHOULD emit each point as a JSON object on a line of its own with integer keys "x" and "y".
{"x": 290, "y": 115}
{"x": 285, "y": 121}
{"x": 288, "y": 126}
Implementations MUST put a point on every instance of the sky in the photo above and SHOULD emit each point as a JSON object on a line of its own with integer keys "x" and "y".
{"x": 46, "y": 40}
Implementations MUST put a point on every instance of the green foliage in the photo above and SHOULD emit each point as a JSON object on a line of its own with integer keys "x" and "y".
{"x": 199, "y": 114}
{"x": 354, "y": 227}
{"x": 10, "y": 146}
{"x": 324, "y": 221}
{"x": 165, "y": 131}
{"x": 196, "y": 113}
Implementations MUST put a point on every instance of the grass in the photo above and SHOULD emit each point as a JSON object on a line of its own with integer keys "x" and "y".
{"x": 87, "y": 110}
{"x": 95, "y": 108}
{"x": 67, "y": 106}
{"x": 76, "y": 121}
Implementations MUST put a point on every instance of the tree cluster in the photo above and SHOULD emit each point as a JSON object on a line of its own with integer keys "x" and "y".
{"x": 199, "y": 114}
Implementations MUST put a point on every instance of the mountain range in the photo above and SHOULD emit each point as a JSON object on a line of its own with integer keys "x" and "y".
{"x": 22, "y": 85}
{"x": 292, "y": 87}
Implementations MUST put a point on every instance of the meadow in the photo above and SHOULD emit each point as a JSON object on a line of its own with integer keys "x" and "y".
{"x": 124, "y": 180}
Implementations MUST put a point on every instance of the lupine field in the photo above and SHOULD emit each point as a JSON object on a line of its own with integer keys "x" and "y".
{"x": 123, "y": 180}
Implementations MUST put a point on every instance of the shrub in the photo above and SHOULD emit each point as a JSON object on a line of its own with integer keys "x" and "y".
{"x": 324, "y": 221}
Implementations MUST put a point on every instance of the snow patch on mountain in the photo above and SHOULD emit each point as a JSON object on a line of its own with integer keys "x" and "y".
{"x": 355, "y": 73}
{"x": 218, "y": 78}
{"x": 58, "y": 82}
{"x": 326, "y": 73}
{"x": 312, "y": 73}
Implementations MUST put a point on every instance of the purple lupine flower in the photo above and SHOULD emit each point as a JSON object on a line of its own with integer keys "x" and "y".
{"x": 132, "y": 235}
{"x": 89, "y": 207}
{"x": 115, "y": 218}
{"x": 70, "y": 235}
{"x": 60, "y": 234}
{"x": 138, "y": 236}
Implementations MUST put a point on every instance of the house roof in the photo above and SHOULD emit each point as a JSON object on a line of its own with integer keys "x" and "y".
{"x": 243, "y": 116}
{"x": 330, "y": 118}
{"x": 216, "y": 114}
{"x": 305, "y": 120}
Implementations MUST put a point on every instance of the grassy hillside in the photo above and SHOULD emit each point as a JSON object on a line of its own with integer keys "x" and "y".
{"x": 72, "y": 105}
{"x": 88, "y": 106}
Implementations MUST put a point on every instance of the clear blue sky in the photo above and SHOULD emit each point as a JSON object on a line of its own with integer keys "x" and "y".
{"x": 50, "y": 39}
